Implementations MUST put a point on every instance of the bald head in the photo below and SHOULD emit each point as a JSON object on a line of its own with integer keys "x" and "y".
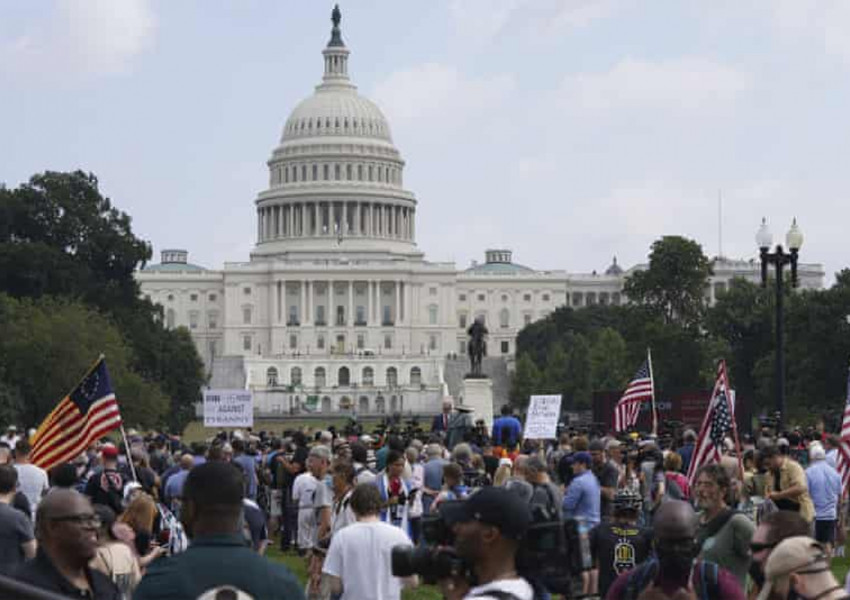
{"x": 67, "y": 527}
{"x": 675, "y": 520}
{"x": 187, "y": 461}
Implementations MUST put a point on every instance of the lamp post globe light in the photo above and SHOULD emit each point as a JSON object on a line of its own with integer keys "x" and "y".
{"x": 779, "y": 258}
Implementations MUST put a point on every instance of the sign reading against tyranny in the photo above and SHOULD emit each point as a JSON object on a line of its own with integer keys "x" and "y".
{"x": 228, "y": 408}
{"x": 541, "y": 422}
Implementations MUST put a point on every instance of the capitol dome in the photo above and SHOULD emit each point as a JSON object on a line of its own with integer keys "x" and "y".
{"x": 335, "y": 179}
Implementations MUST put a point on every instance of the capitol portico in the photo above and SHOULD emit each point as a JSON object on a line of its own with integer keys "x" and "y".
{"x": 337, "y": 308}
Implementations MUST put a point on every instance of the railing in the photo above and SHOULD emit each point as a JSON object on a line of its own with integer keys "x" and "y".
{"x": 321, "y": 323}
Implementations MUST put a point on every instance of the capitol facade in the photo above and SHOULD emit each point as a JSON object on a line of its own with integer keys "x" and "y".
{"x": 337, "y": 310}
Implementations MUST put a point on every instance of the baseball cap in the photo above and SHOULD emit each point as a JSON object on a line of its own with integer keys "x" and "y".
{"x": 614, "y": 444}
{"x": 799, "y": 554}
{"x": 582, "y": 457}
{"x": 500, "y": 507}
{"x": 109, "y": 451}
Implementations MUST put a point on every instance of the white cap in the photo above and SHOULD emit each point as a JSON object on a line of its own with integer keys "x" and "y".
{"x": 816, "y": 452}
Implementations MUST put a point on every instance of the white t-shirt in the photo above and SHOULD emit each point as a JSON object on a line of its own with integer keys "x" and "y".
{"x": 303, "y": 489}
{"x": 341, "y": 514}
{"x": 360, "y": 556}
{"x": 32, "y": 482}
{"x": 519, "y": 588}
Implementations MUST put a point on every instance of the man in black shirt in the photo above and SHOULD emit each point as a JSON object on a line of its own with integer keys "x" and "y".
{"x": 106, "y": 486}
{"x": 67, "y": 541}
{"x": 619, "y": 545}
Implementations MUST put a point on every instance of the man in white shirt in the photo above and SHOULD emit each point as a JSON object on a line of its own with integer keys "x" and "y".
{"x": 11, "y": 438}
{"x": 32, "y": 480}
{"x": 358, "y": 564}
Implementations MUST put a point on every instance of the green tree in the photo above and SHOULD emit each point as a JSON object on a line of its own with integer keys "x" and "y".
{"x": 526, "y": 381}
{"x": 46, "y": 346}
{"x": 674, "y": 284}
{"x": 608, "y": 361}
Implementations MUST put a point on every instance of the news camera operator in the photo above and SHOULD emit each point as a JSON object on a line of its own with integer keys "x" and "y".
{"x": 488, "y": 528}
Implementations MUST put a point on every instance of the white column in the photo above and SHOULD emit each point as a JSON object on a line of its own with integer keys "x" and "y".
{"x": 315, "y": 218}
{"x": 350, "y": 320}
{"x": 259, "y": 225}
{"x": 278, "y": 303}
{"x": 303, "y": 313}
{"x": 344, "y": 223}
{"x": 397, "y": 303}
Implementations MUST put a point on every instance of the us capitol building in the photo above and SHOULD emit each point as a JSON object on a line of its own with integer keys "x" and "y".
{"x": 337, "y": 310}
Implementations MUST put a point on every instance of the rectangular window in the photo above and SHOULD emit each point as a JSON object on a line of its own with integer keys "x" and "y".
{"x": 432, "y": 291}
{"x": 193, "y": 320}
{"x": 526, "y": 319}
{"x": 361, "y": 341}
{"x": 432, "y": 342}
{"x": 320, "y": 342}
{"x": 361, "y": 315}
{"x": 246, "y": 342}
{"x": 320, "y": 315}
{"x": 293, "y": 316}
{"x": 212, "y": 297}
{"x": 461, "y": 321}
{"x": 461, "y": 347}
{"x": 193, "y": 297}
{"x": 461, "y": 298}
{"x": 388, "y": 341}
{"x": 545, "y": 297}
{"x": 212, "y": 320}
{"x": 246, "y": 291}
{"x": 432, "y": 315}
{"x": 246, "y": 315}
{"x": 481, "y": 297}
{"x": 387, "y": 316}
{"x": 293, "y": 342}
{"x": 506, "y": 347}
{"x": 526, "y": 297}
{"x": 212, "y": 348}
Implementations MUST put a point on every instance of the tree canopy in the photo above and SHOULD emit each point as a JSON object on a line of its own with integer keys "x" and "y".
{"x": 67, "y": 258}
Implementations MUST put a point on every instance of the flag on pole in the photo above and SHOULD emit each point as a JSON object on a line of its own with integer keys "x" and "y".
{"x": 717, "y": 424}
{"x": 89, "y": 412}
{"x": 639, "y": 389}
{"x": 842, "y": 462}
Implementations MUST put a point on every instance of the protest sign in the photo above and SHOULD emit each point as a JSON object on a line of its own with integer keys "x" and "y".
{"x": 541, "y": 422}
{"x": 228, "y": 408}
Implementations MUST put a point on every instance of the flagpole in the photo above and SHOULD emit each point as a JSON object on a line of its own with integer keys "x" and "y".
{"x": 734, "y": 420}
{"x": 129, "y": 454}
{"x": 652, "y": 385}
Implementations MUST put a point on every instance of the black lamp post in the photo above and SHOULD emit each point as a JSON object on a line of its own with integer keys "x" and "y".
{"x": 779, "y": 258}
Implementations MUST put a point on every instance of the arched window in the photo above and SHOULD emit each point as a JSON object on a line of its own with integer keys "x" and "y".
{"x": 169, "y": 318}
{"x": 363, "y": 405}
{"x": 415, "y": 376}
{"x": 271, "y": 377}
{"x": 319, "y": 377}
{"x": 326, "y": 404}
{"x": 368, "y": 377}
{"x": 343, "y": 377}
{"x": 380, "y": 405}
{"x": 295, "y": 376}
{"x": 392, "y": 377}
{"x": 504, "y": 318}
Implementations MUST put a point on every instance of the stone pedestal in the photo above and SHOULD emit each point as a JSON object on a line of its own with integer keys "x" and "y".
{"x": 478, "y": 394}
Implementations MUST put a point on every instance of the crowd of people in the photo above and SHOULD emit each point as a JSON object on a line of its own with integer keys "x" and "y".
{"x": 159, "y": 518}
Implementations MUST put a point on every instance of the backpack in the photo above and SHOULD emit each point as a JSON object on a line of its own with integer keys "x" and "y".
{"x": 705, "y": 576}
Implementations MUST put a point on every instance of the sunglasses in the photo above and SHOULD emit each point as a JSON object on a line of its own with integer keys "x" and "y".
{"x": 758, "y": 547}
{"x": 88, "y": 519}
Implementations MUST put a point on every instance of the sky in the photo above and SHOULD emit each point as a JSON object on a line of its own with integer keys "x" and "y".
{"x": 569, "y": 131}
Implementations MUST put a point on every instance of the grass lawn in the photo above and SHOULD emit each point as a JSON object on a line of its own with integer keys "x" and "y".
{"x": 297, "y": 565}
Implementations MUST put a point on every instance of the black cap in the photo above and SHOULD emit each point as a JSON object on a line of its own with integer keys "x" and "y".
{"x": 495, "y": 506}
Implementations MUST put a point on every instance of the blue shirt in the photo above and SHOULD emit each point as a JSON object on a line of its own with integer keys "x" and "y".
{"x": 825, "y": 489}
{"x": 509, "y": 425}
{"x": 583, "y": 499}
{"x": 249, "y": 466}
{"x": 174, "y": 487}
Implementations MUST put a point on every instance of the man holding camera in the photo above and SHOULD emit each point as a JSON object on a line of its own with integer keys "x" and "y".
{"x": 488, "y": 529}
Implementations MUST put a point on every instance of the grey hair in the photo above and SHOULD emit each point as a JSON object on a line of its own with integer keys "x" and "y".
{"x": 322, "y": 452}
{"x": 462, "y": 452}
{"x": 432, "y": 450}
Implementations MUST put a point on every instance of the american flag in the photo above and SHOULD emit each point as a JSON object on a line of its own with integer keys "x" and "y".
{"x": 89, "y": 412}
{"x": 639, "y": 389}
{"x": 842, "y": 462}
{"x": 716, "y": 425}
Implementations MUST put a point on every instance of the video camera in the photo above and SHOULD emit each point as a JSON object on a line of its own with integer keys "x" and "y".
{"x": 546, "y": 556}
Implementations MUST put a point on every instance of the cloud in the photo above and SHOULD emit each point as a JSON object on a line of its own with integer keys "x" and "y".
{"x": 825, "y": 22}
{"x": 690, "y": 84}
{"x": 483, "y": 20}
{"x": 86, "y": 38}
{"x": 434, "y": 91}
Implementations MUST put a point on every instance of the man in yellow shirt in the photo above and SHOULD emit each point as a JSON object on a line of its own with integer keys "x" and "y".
{"x": 787, "y": 486}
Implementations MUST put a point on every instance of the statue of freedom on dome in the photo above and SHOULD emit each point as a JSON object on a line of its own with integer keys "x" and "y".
{"x": 477, "y": 346}
{"x": 336, "y": 15}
